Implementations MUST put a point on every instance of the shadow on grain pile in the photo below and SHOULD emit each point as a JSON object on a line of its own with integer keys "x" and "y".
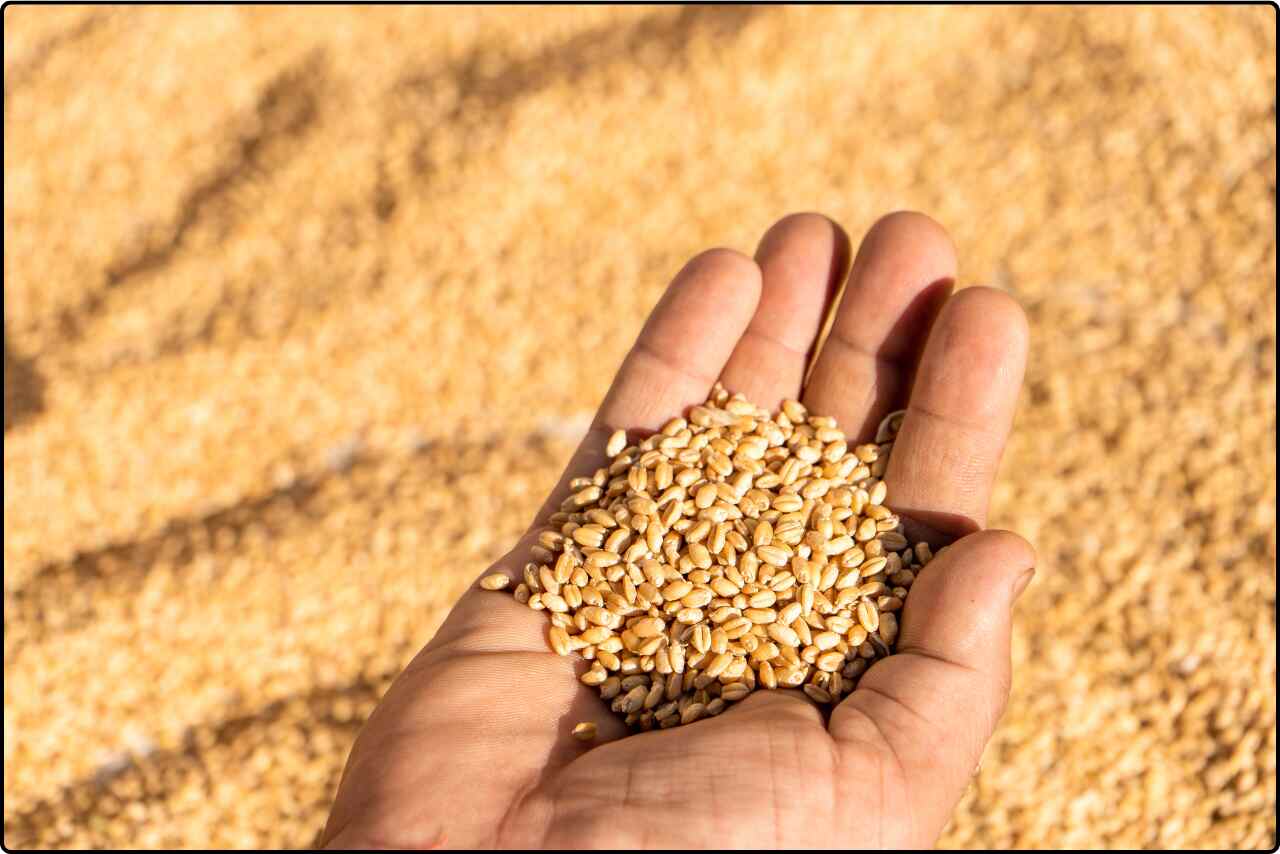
{"x": 23, "y": 388}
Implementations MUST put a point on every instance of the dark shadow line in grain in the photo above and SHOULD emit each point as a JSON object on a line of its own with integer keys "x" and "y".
{"x": 487, "y": 97}
{"x": 286, "y": 111}
{"x": 72, "y": 589}
{"x": 82, "y": 799}
{"x": 24, "y": 387}
{"x": 126, "y": 564}
{"x": 663, "y": 39}
{"x": 23, "y": 71}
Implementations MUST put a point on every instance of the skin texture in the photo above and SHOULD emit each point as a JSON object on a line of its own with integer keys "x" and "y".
{"x": 471, "y": 746}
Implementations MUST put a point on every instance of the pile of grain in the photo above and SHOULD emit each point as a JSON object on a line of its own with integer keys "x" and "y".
{"x": 731, "y": 551}
{"x": 272, "y": 275}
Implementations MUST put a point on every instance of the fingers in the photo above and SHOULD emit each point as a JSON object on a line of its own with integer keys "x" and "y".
{"x": 936, "y": 702}
{"x": 686, "y": 342}
{"x": 902, "y": 274}
{"x": 946, "y": 455}
{"x": 803, "y": 259}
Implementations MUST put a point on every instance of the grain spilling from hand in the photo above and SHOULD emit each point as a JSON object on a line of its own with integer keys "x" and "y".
{"x": 697, "y": 563}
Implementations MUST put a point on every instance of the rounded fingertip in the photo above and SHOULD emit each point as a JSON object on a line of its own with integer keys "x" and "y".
{"x": 929, "y": 242}
{"x": 722, "y": 264}
{"x": 817, "y": 234}
{"x": 1003, "y": 547}
{"x": 706, "y": 309}
{"x": 992, "y": 311}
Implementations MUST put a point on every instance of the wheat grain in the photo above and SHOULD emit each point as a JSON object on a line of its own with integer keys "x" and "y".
{"x": 706, "y": 554}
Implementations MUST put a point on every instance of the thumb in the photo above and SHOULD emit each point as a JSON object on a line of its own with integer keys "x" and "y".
{"x": 936, "y": 702}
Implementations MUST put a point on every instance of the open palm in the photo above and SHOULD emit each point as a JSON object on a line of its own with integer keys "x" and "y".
{"x": 471, "y": 745}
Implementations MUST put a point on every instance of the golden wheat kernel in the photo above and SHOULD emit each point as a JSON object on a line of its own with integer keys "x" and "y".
{"x": 773, "y": 555}
{"x": 830, "y": 661}
{"x": 689, "y": 616}
{"x": 839, "y": 545}
{"x": 662, "y": 661}
{"x": 719, "y": 640}
{"x": 723, "y": 613}
{"x": 717, "y": 665}
{"x": 762, "y": 534}
{"x": 783, "y": 634}
{"x": 873, "y": 565}
{"x": 866, "y": 531}
{"x": 495, "y": 581}
{"x": 722, "y": 586}
{"x": 547, "y": 580}
{"x": 616, "y": 443}
{"x": 846, "y": 598}
{"x": 701, "y": 638}
{"x": 647, "y": 627}
{"x": 781, "y": 582}
{"x": 801, "y": 628}
{"x": 794, "y": 676}
{"x": 697, "y": 532}
{"x": 698, "y": 597}
{"x": 705, "y": 495}
{"x": 871, "y": 588}
{"x": 618, "y": 540}
{"x": 830, "y": 576}
{"x": 838, "y": 623}
{"x": 826, "y": 640}
{"x": 719, "y": 540}
{"x": 737, "y": 667}
{"x": 585, "y": 731}
{"x": 595, "y": 675}
{"x": 868, "y": 616}
{"x": 676, "y": 589}
{"x": 765, "y": 675}
{"x": 564, "y": 567}
{"x": 760, "y": 616}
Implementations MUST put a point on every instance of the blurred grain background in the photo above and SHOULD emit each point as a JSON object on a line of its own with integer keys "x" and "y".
{"x": 272, "y": 276}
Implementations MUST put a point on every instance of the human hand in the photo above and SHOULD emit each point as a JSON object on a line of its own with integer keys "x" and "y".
{"x": 470, "y": 747}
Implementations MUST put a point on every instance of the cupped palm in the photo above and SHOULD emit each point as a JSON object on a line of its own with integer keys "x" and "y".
{"x": 471, "y": 745}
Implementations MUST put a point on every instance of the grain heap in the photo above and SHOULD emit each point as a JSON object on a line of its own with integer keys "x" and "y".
{"x": 730, "y": 551}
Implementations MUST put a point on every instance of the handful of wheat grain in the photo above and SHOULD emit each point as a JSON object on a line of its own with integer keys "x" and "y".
{"x": 731, "y": 551}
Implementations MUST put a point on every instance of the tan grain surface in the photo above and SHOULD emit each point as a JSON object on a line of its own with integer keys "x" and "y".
{"x": 292, "y": 296}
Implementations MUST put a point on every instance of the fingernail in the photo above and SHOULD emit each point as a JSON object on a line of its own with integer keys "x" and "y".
{"x": 1022, "y": 582}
